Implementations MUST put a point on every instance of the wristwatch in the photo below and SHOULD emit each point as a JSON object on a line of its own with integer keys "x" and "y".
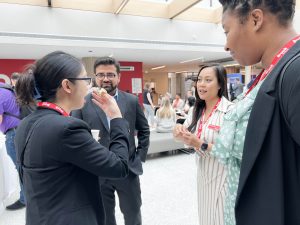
{"x": 204, "y": 146}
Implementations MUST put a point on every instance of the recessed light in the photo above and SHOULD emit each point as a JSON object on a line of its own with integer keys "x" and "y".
{"x": 159, "y": 67}
{"x": 191, "y": 60}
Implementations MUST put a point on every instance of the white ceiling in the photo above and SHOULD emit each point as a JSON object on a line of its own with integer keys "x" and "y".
{"x": 147, "y": 53}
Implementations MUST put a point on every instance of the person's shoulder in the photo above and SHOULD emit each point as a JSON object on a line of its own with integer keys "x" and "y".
{"x": 6, "y": 89}
{"x": 58, "y": 121}
{"x": 225, "y": 104}
{"x": 128, "y": 96}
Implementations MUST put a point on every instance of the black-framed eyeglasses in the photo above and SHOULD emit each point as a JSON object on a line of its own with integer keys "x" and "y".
{"x": 109, "y": 76}
{"x": 88, "y": 80}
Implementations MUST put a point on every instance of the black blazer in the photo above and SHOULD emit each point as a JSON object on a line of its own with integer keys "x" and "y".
{"x": 269, "y": 185}
{"x": 133, "y": 113}
{"x": 62, "y": 163}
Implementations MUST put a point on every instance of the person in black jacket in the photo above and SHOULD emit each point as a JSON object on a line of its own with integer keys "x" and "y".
{"x": 268, "y": 192}
{"x": 60, "y": 161}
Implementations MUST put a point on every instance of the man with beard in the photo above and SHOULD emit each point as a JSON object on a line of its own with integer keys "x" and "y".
{"x": 107, "y": 72}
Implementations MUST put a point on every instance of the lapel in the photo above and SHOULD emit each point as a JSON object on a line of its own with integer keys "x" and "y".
{"x": 100, "y": 114}
{"x": 260, "y": 118}
{"x": 122, "y": 102}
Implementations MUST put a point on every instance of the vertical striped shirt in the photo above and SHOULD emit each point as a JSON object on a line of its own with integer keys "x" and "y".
{"x": 211, "y": 175}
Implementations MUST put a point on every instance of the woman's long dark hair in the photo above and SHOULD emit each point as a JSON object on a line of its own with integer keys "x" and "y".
{"x": 25, "y": 88}
{"x": 46, "y": 75}
{"x": 200, "y": 104}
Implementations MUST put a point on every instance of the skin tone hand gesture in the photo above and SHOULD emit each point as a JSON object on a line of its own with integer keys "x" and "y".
{"x": 191, "y": 140}
{"x": 178, "y": 132}
{"x": 108, "y": 104}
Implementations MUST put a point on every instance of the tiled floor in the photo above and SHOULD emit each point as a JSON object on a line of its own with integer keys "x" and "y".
{"x": 168, "y": 193}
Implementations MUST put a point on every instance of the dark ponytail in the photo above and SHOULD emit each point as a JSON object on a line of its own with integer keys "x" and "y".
{"x": 25, "y": 89}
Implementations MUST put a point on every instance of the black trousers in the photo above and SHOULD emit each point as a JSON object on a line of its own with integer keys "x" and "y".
{"x": 129, "y": 193}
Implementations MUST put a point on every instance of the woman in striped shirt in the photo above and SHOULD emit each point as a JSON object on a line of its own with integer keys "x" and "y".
{"x": 200, "y": 132}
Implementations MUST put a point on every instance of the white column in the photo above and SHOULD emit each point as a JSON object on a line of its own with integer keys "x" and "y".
{"x": 248, "y": 73}
{"x": 173, "y": 84}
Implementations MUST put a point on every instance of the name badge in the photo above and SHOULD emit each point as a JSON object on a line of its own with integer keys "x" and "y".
{"x": 214, "y": 127}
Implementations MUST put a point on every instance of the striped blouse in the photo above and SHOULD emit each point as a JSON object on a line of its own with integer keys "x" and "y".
{"x": 211, "y": 174}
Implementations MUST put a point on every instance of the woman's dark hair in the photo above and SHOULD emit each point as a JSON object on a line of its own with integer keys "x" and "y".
{"x": 200, "y": 104}
{"x": 191, "y": 101}
{"x": 106, "y": 60}
{"x": 48, "y": 73}
{"x": 25, "y": 89}
{"x": 283, "y": 9}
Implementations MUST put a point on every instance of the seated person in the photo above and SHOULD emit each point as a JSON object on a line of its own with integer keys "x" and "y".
{"x": 178, "y": 103}
{"x": 188, "y": 110}
{"x": 165, "y": 117}
{"x": 189, "y": 104}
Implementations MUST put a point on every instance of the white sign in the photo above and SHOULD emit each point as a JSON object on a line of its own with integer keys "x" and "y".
{"x": 136, "y": 85}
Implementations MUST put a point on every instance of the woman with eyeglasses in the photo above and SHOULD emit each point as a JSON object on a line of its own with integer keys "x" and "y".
{"x": 60, "y": 162}
{"x": 200, "y": 132}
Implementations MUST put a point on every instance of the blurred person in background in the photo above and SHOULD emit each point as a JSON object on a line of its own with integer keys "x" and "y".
{"x": 14, "y": 78}
{"x": 237, "y": 88}
{"x": 26, "y": 93}
{"x": 178, "y": 103}
{"x": 9, "y": 120}
{"x": 165, "y": 117}
{"x": 148, "y": 105}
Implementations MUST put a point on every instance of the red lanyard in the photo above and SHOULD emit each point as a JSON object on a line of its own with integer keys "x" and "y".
{"x": 264, "y": 73}
{"x": 202, "y": 122}
{"x": 50, "y": 105}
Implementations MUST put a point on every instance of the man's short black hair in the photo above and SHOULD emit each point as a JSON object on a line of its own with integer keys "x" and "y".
{"x": 106, "y": 60}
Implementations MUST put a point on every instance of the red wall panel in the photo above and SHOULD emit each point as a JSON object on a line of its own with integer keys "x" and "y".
{"x": 126, "y": 76}
{"x": 8, "y": 66}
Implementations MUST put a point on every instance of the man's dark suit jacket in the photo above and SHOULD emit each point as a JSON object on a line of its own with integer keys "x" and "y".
{"x": 269, "y": 185}
{"x": 62, "y": 163}
{"x": 133, "y": 113}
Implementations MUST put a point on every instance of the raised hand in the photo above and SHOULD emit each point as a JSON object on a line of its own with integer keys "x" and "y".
{"x": 108, "y": 104}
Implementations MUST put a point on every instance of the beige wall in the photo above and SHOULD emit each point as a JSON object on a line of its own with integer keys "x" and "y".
{"x": 161, "y": 83}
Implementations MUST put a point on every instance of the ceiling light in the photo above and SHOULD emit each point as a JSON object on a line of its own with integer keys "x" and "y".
{"x": 191, "y": 60}
{"x": 159, "y": 67}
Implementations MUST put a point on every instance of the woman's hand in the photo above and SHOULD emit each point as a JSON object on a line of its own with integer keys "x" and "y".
{"x": 191, "y": 140}
{"x": 178, "y": 132}
{"x": 108, "y": 104}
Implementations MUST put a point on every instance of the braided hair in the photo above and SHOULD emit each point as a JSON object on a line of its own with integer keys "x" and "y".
{"x": 284, "y": 10}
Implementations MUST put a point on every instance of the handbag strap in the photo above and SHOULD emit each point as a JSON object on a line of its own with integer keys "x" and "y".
{"x": 22, "y": 153}
{"x": 10, "y": 114}
{"x": 281, "y": 77}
